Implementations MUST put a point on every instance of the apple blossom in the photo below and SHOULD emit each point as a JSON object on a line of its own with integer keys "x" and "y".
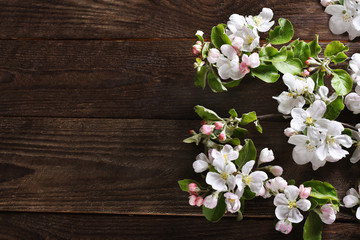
{"x": 352, "y": 199}
{"x": 213, "y": 55}
{"x": 284, "y": 226}
{"x": 218, "y": 125}
{"x": 352, "y": 101}
{"x": 322, "y": 94}
{"x": 196, "y": 48}
{"x": 211, "y": 200}
{"x": 206, "y": 129}
{"x": 192, "y": 200}
{"x": 304, "y": 192}
{"x": 199, "y": 201}
{"x": 202, "y": 163}
{"x": 254, "y": 180}
{"x": 287, "y": 205}
{"x": 307, "y": 118}
{"x": 223, "y": 179}
{"x": 227, "y": 154}
{"x": 266, "y": 155}
{"x": 275, "y": 185}
{"x": 356, "y": 155}
{"x": 232, "y": 202}
{"x": 276, "y": 170}
{"x": 236, "y": 23}
{"x": 326, "y": 3}
{"x": 327, "y": 213}
{"x": 250, "y": 37}
{"x": 354, "y": 64}
{"x": 222, "y": 136}
{"x": 237, "y": 43}
{"x": 244, "y": 69}
{"x": 252, "y": 61}
{"x": 228, "y": 63}
{"x": 262, "y": 21}
{"x": 193, "y": 188}
{"x": 289, "y": 132}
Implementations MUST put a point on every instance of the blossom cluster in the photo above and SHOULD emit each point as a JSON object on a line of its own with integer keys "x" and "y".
{"x": 345, "y": 16}
{"x": 352, "y": 199}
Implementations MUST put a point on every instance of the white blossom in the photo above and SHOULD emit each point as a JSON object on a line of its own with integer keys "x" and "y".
{"x": 266, "y": 155}
{"x": 232, "y": 202}
{"x": 202, "y": 163}
{"x": 322, "y": 94}
{"x": 327, "y": 213}
{"x": 352, "y": 199}
{"x": 287, "y": 205}
{"x": 223, "y": 179}
{"x": 254, "y": 180}
{"x": 228, "y": 63}
{"x": 307, "y": 118}
{"x": 356, "y": 155}
{"x": 211, "y": 200}
{"x": 227, "y": 154}
{"x": 354, "y": 64}
{"x": 352, "y": 100}
{"x": 284, "y": 226}
{"x": 213, "y": 55}
{"x": 262, "y": 22}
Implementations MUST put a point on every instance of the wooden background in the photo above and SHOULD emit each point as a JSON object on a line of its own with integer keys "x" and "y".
{"x": 95, "y": 99}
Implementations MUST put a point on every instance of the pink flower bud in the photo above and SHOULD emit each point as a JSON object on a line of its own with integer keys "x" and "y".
{"x": 222, "y": 136}
{"x": 237, "y": 43}
{"x": 276, "y": 170}
{"x": 206, "y": 129}
{"x": 202, "y": 122}
{"x": 244, "y": 68}
{"x": 218, "y": 125}
{"x": 199, "y": 201}
{"x": 252, "y": 61}
{"x": 191, "y": 131}
{"x": 193, "y": 187}
{"x": 284, "y": 226}
{"x": 304, "y": 192}
{"x": 305, "y": 73}
{"x": 327, "y": 214}
{"x": 192, "y": 200}
{"x": 213, "y": 55}
{"x": 325, "y": 3}
{"x": 289, "y": 132}
{"x": 196, "y": 48}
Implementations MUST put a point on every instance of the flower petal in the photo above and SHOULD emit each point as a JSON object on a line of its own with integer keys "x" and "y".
{"x": 200, "y": 166}
{"x": 291, "y": 192}
{"x": 282, "y": 212}
{"x": 215, "y": 180}
{"x": 247, "y": 167}
{"x": 303, "y": 204}
{"x": 295, "y": 216}
{"x": 280, "y": 199}
{"x": 350, "y": 201}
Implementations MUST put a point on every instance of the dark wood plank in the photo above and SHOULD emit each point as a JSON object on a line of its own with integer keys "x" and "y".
{"x": 79, "y": 226}
{"x": 116, "y": 79}
{"x": 146, "y": 19}
{"x": 123, "y": 166}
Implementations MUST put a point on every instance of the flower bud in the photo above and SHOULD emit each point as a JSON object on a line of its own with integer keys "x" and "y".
{"x": 304, "y": 192}
{"x": 199, "y": 201}
{"x": 206, "y": 129}
{"x": 222, "y": 136}
{"x": 305, "y": 73}
{"x": 237, "y": 43}
{"x": 289, "y": 132}
{"x": 283, "y": 226}
{"x": 238, "y": 148}
{"x": 213, "y": 55}
{"x": 244, "y": 68}
{"x": 192, "y": 200}
{"x": 327, "y": 214}
{"x": 196, "y": 48}
{"x": 266, "y": 155}
{"x": 276, "y": 170}
{"x": 218, "y": 125}
{"x": 252, "y": 61}
{"x": 193, "y": 188}
{"x": 276, "y": 184}
{"x": 191, "y": 132}
{"x": 326, "y": 3}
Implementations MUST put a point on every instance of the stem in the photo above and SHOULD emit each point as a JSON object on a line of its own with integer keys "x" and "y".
{"x": 349, "y": 126}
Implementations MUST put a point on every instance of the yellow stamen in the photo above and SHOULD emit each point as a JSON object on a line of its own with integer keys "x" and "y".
{"x": 224, "y": 175}
{"x": 292, "y": 204}
{"x": 247, "y": 180}
{"x": 309, "y": 121}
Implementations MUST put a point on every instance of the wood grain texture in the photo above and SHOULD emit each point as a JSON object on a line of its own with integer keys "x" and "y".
{"x": 124, "y": 166}
{"x": 117, "y": 79}
{"x": 109, "y": 19}
{"x": 80, "y": 226}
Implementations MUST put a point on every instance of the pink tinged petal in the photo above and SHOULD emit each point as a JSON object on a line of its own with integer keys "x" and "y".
{"x": 280, "y": 199}
{"x": 337, "y": 25}
{"x": 327, "y": 214}
{"x": 228, "y": 51}
{"x": 200, "y": 166}
{"x": 303, "y": 204}
{"x": 266, "y": 14}
{"x": 247, "y": 167}
{"x": 283, "y": 226}
{"x": 215, "y": 180}
{"x": 244, "y": 68}
{"x": 295, "y": 216}
{"x": 291, "y": 192}
{"x": 358, "y": 213}
{"x": 350, "y": 201}
{"x": 317, "y": 109}
{"x": 282, "y": 212}
{"x": 192, "y": 200}
{"x": 211, "y": 201}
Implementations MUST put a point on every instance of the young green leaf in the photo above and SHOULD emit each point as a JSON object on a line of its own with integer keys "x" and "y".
{"x": 248, "y": 194}
{"x": 234, "y": 142}
{"x": 247, "y": 118}
{"x": 207, "y": 114}
{"x": 214, "y": 215}
{"x": 293, "y": 66}
{"x": 233, "y": 113}
{"x": 258, "y": 126}
{"x": 218, "y": 36}
{"x": 334, "y": 109}
{"x": 302, "y": 51}
{"x": 267, "y": 73}
{"x": 341, "y": 82}
{"x": 247, "y": 153}
{"x": 184, "y": 184}
{"x": 314, "y": 47}
{"x": 313, "y": 227}
{"x": 215, "y": 83}
{"x": 334, "y": 48}
{"x": 347, "y": 131}
{"x": 322, "y": 190}
{"x": 339, "y": 58}
{"x": 200, "y": 78}
{"x": 318, "y": 78}
{"x": 282, "y": 33}
{"x": 193, "y": 139}
{"x": 205, "y": 50}
{"x": 232, "y": 83}
{"x": 271, "y": 54}
{"x": 239, "y": 132}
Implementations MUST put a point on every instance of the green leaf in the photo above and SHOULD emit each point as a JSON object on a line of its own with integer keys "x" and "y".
{"x": 214, "y": 215}
{"x": 247, "y": 118}
{"x": 334, "y": 48}
{"x": 322, "y": 190}
{"x": 313, "y": 227}
{"x": 218, "y": 36}
{"x": 282, "y": 33}
{"x": 334, "y": 109}
{"x": 302, "y": 51}
{"x": 341, "y": 82}
{"x": 205, "y": 50}
{"x": 235, "y": 142}
{"x": 233, "y": 113}
{"x": 271, "y": 54}
{"x": 240, "y": 216}
{"x": 184, "y": 184}
{"x": 347, "y": 131}
{"x": 200, "y": 78}
{"x": 267, "y": 73}
{"x": 232, "y": 83}
{"x": 247, "y": 153}
{"x": 248, "y": 194}
{"x": 193, "y": 139}
{"x": 293, "y": 66}
{"x": 215, "y": 83}
{"x": 239, "y": 132}
{"x": 258, "y": 126}
{"x": 207, "y": 114}
{"x": 318, "y": 78}
{"x": 291, "y": 182}
{"x": 314, "y": 47}
{"x": 314, "y": 203}
{"x": 339, "y": 58}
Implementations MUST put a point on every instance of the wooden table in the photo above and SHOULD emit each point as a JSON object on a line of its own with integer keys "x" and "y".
{"x": 96, "y": 97}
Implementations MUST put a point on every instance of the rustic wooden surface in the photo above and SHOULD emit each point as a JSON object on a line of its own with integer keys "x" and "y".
{"x": 95, "y": 99}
